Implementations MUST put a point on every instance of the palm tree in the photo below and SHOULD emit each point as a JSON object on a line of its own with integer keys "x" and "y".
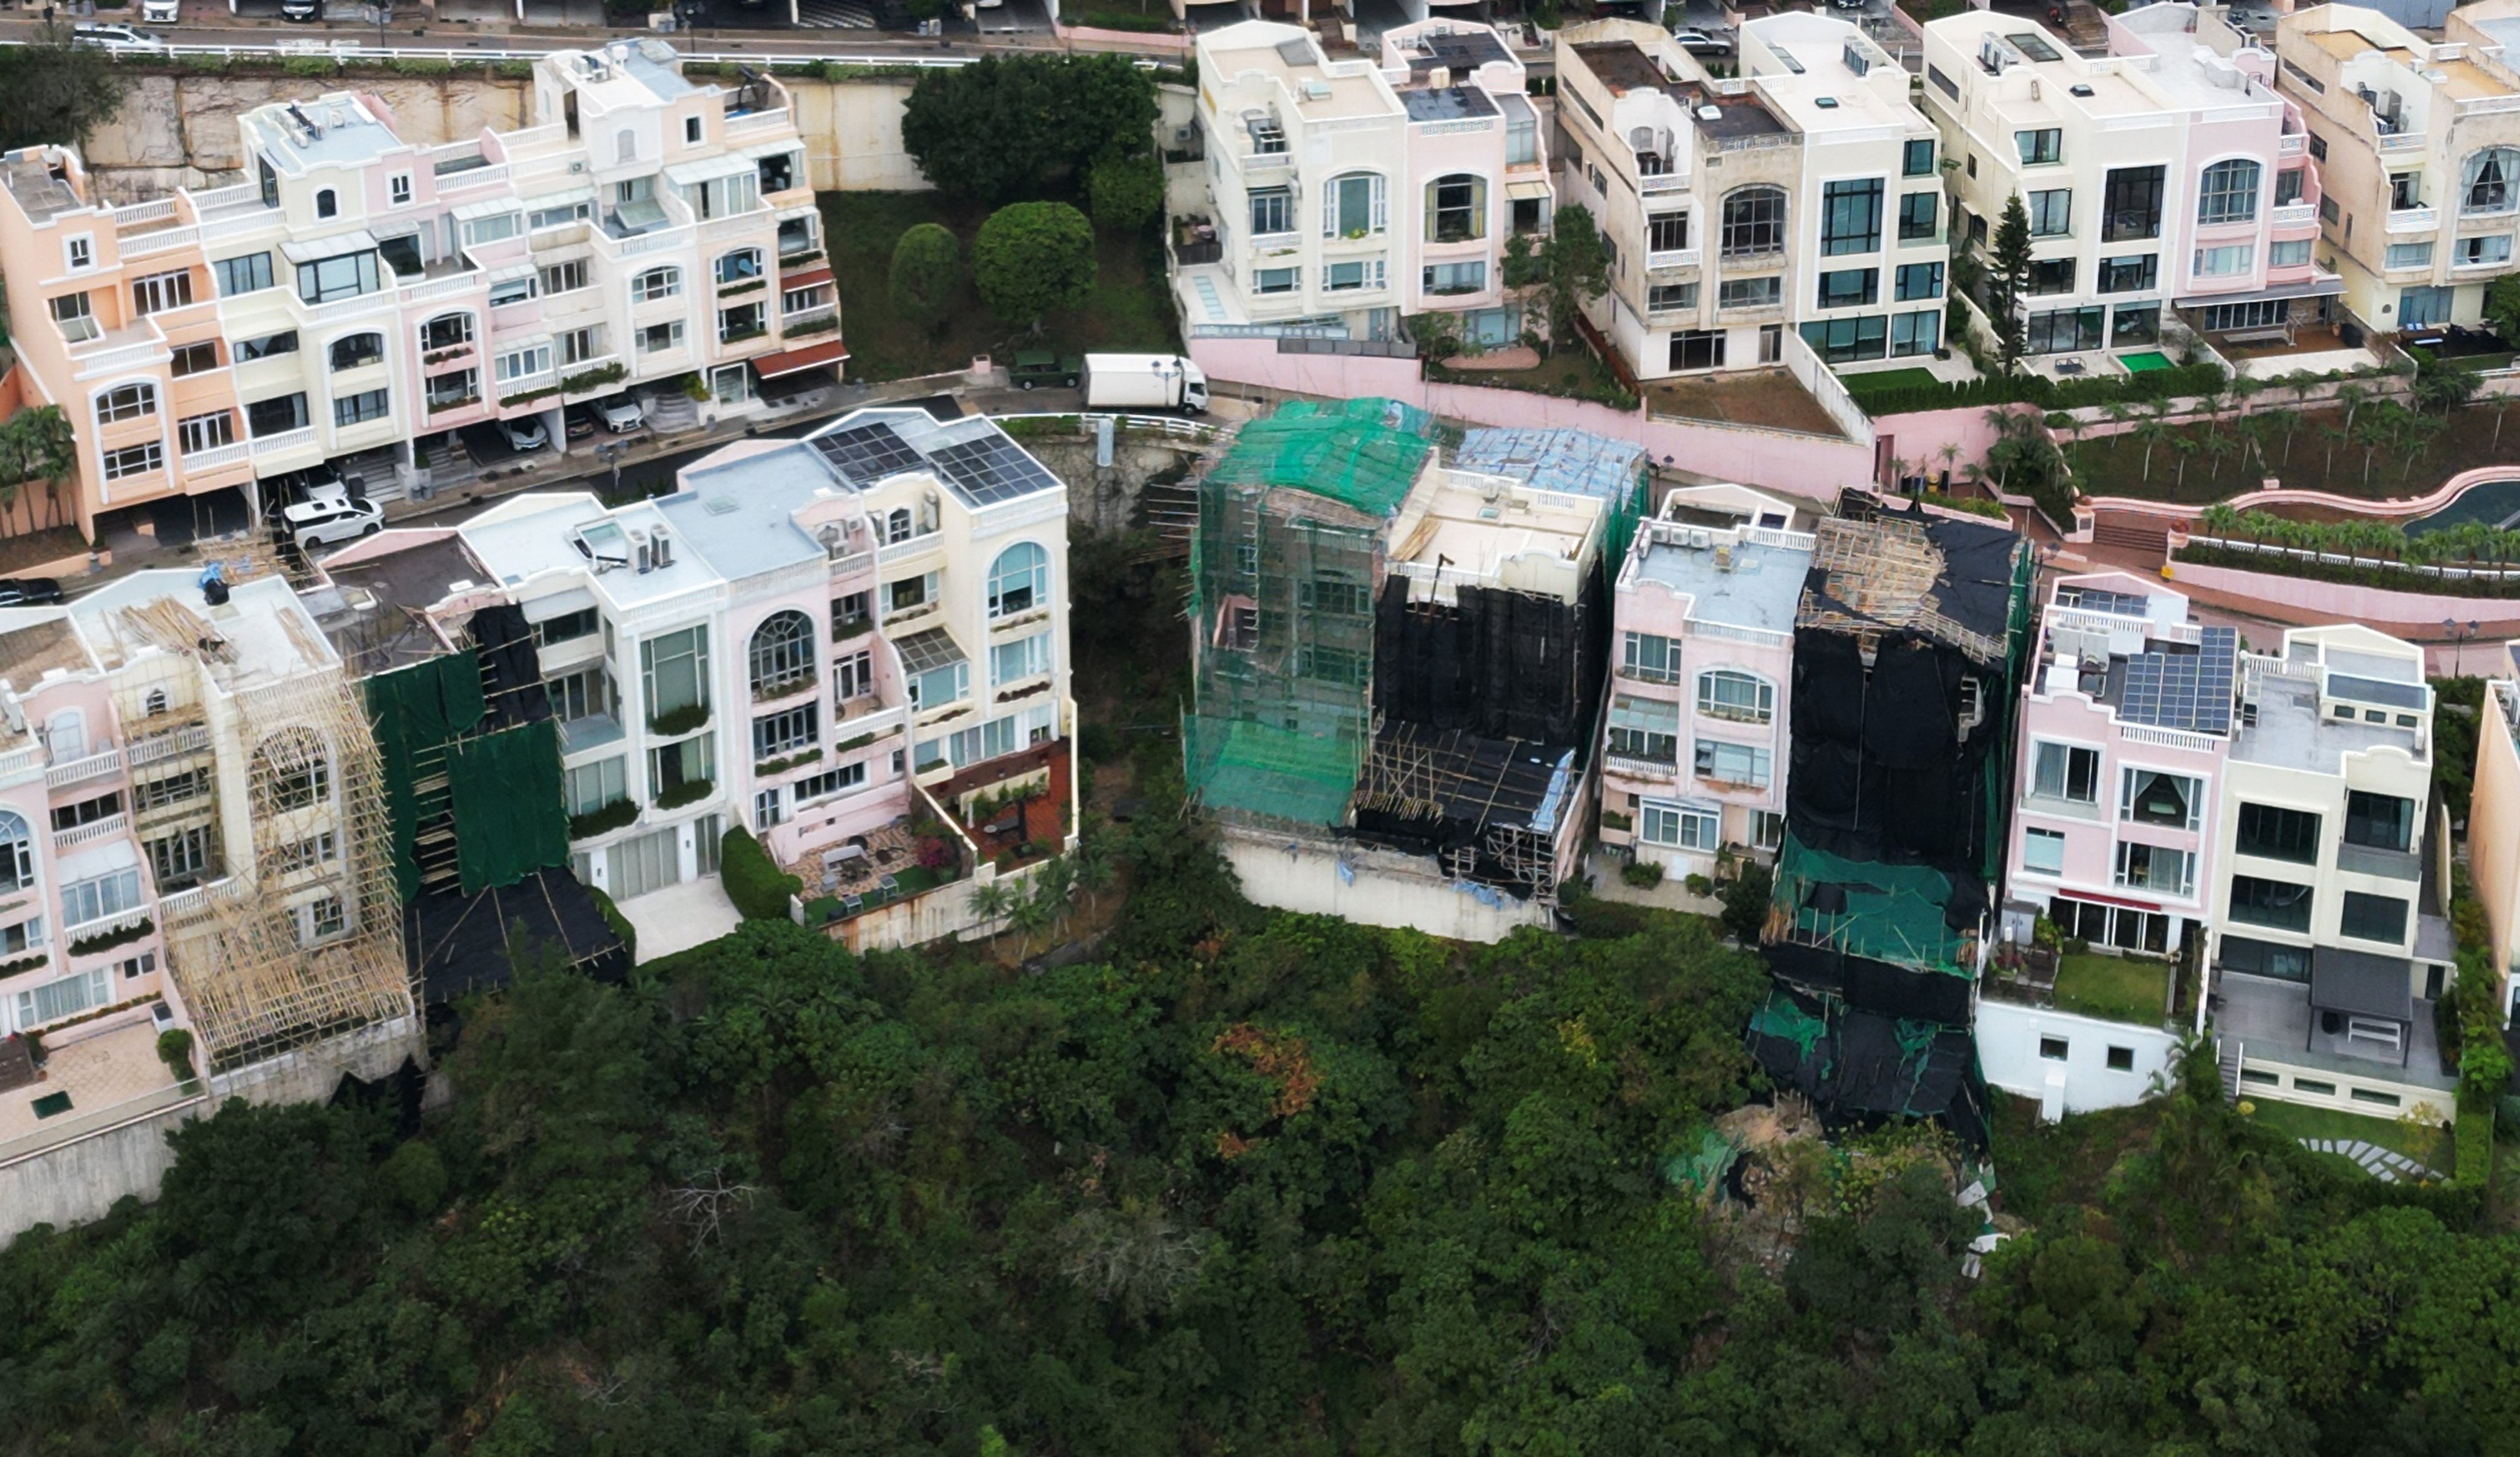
{"x": 2378, "y": 430}
{"x": 1093, "y": 864}
{"x": 2242, "y": 387}
{"x": 1897, "y": 473}
{"x": 990, "y": 903}
{"x": 2290, "y": 420}
{"x": 1055, "y": 885}
{"x": 2151, "y": 431}
{"x": 2352, "y": 398}
{"x": 2333, "y": 436}
{"x": 2222, "y": 519}
{"x": 1951, "y": 454}
{"x": 1028, "y": 917}
{"x": 2185, "y": 447}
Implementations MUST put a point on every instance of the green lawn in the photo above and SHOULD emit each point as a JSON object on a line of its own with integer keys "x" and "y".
{"x": 2294, "y": 1121}
{"x": 2122, "y": 988}
{"x": 1129, "y": 310}
{"x": 1863, "y": 384}
{"x": 1572, "y": 372}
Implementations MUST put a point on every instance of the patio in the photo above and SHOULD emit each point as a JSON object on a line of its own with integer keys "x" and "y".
{"x": 95, "y": 1074}
{"x": 2313, "y": 348}
{"x": 2274, "y": 1019}
{"x": 865, "y": 871}
{"x": 1769, "y": 399}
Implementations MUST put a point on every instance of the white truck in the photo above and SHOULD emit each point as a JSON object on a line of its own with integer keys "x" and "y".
{"x": 1144, "y": 381}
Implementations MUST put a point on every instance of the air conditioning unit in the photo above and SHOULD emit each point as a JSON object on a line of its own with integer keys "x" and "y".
{"x": 577, "y": 166}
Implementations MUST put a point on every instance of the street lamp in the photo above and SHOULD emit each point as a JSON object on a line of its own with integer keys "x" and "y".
{"x": 612, "y": 452}
{"x": 2459, "y": 636}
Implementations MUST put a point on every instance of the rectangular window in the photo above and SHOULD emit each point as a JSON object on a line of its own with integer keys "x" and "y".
{"x": 562, "y": 216}
{"x": 2278, "y": 834}
{"x": 1750, "y": 293}
{"x": 1918, "y": 281}
{"x": 87, "y": 811}
{"x": 525, "y": 363}
{"x": 1274, "y": 280}
{"x": 1646, "y": 729}
{"x": 81, "y": 251}
{"x": 1650, "y": 658}
{"x": 584, "y": 694}
{"x": 2063, "y": 331}
{"x": 777, "y": 735}
{"x": 492, "y": 229}
{"x": 1917, "y": 158}
{"x": 1919, "y": 333}
{"x": 162, "y": 290}
{"x": 1732, "y": 764}
{"x": 66, "y": 997}
{"x": 2051, "y": 212}
{"x": 909, "y": 593}
{"x": 26, "y": 936}
{"x": 1849, "y": 287}
{"x": 2052, "y": 276}
{"x": 1024, "y": 657}
{"x": 196, "y": 359}
{"x": 126, "y": 402}
{"x": 312, "y": 852}
{"x": 2054, "y": 1050}
{"x": 661, "y": 338}
{"x": 138, "y": 460}
{"x": 2135, "y": 324}
{"x": 1844, "y": 340}
{"x": 182, "y": 859}
{"x": 1341, "y": 278}
{"x": 367, "y": 405}
{"x": 399, "y": 188}
{"x": 2148, "y": 796}
{"x": 674, "y": 669}
{"x": 247, "y": 274}
{"x": 2472, "y": 251}
{"x": 1667, "y": 298}
{"x": 1659, "y": 823}
{"x": 512, "y": 291}
{"x": 1920, "y": 214}
{"x": 2382, "y": 821}
{"x": 2410, "y": 255}
{"x": 1273, "y": 211}
{"x": 2224, "y": 262}
{"x": 2289, "y": 187}
{"x": 591, "y": 786}
{"x": 277, "y": 416}
{"x": 2294, "y": 254}
{"x": 830, "y": 783}
{"x": 680, "y": 765}
{"x": 2043, "y": 148}
{"x": 1456, "y": 278}
{"x": 564, "y": 278}
{"x": 195, "y": 434}
{"x": 2279, "y": 904}
{"x": 2067, "y": 772}
{"x": 2265, "y": 958}
{"x": 1735, "y": 696}
{"x": 938, "y": 686}
{"x": 1457, "y": 208}
{"x": 2262, "y": 314}
{"x": 1666, "y": 232}
{"x": 1850, "y": 218}
{"x": 2154, "y": 867}
{"x": 347, "y": 276}
{"x": 2380, "y": 918}
{"x": 852, "y": 676}
{"x": 2131, "y": 204}
{"x": 2043, "y": 852}
{"x": 108, "y": 894}
{"x": 2130, "y": 275}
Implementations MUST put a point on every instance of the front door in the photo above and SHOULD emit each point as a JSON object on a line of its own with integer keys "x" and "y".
{"x": 647, "y": 862}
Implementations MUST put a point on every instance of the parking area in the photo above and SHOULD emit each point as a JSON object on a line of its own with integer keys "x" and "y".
{"x": 1014, "y": 18}
{"x": 570, "y": 12}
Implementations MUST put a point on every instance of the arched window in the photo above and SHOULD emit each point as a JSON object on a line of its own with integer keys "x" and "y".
{"x": 446, "y": 331}
{"x": 783, "y": 654}
{"x": 1354, "y": 206}
{"x": 737, "y": 266}
{"x": 1754, "y": 222}
{"x": 17, "y": 854}
{"x": 2485, "y": 182}
{"x": 1020, "y": 580}
{"x": 626, "y": 146}
{"x": 291, "y": 770}
{"x": 2230, "y": 192}
{"x": 153, "y": 704}
{"x": 656, "y": 283}
{"x": 126, "y": 402}
{"x": 896, "y": 526}
{"x": 66, "y": 736}
{"x": 1724, "y": 693}
{"x": 326, "y": 202}
{"x": 1457, "y": 208}
{"x": 358, "y": 351}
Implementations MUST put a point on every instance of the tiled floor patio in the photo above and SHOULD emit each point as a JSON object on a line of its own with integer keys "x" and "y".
{"x": 91, "y": 1078}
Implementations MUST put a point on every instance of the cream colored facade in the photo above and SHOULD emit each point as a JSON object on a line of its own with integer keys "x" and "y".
{"x": 1738, "y": 209}
{"x": 2494, "y": 814}
{"x": 2420, "y": 145}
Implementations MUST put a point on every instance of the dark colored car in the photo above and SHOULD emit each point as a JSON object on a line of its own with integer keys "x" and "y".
{"x": 29, "y": 592}
{"x": 581, "y": 422}
{"x": 1038, "y": 366}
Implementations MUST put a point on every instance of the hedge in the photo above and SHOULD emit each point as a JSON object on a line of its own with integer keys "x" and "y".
{"x": 619, "y": 923}
{"x": 2473, "y": 1135}
{"x": 1993, "y": 390}
{"x": 2390, "y": 579}
{"x": 753, "y": 880}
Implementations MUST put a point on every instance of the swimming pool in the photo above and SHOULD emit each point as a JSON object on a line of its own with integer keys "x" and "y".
{"x": 2149, "y": 359}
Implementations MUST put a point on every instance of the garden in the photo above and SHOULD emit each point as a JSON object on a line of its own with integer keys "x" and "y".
{"x": 2361, "y": 447}
{"x": 2120, "y": 989}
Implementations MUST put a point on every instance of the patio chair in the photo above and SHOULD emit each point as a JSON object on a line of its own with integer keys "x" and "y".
{"x": 892, "y": 887}
{"x": 852, "y": 903}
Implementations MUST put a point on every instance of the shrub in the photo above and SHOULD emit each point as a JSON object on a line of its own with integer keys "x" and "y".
{"x": 753, "y": 880}
{"x": 927, "y": 275}
{"x": 619, "y": 923}
{"x": 610, "y": 816}
{"x": 107, "y": 939}
{"x": 1699, "y": 885}
{"x": 1124, "y": 192}
{"x": 309, "y": 65}
{"x": 690, "y": 791}
{"x": 2473, "y": 1140}
{"x": 1031, "y": 258}
{"x": 416, "y": 1176}
{"x": 1745, "y": 902}
{"x": 176, "y": 1051}
{"x": 1642, "y": 874}
{"x": 674, "y": 723}
{"x": 1099, "y": 742}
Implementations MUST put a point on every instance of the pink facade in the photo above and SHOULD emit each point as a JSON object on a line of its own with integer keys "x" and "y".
{"x": 2113, "y": 813}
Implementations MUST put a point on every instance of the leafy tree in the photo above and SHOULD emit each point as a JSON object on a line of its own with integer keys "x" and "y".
{"x": 1026, "y": 125}
{"x": 1574, "y": 270}
{"x": 1123, "y": 192}
{"x": 54, "y": 92}
{"x": 927, "y": 277}
{"x": 2008, "y": 280}
{"x": 1031, "y": 258}
{"x": 2502, "y": 306}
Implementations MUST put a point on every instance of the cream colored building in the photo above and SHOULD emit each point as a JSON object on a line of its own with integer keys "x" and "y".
{"x": 2420, "y": 143}
{"x": 2494, "y": 812}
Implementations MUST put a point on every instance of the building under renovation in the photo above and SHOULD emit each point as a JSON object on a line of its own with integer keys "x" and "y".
{"x": 1399, "y": 643}
{"x": 1909, "y": 648}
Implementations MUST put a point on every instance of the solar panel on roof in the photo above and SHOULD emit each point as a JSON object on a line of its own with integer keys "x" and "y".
{"x": 2373, "y": 690}
{"x": 867, "y": 454}
{"x": 2187, "y": 690}
{"x": 992, "y": 468}
{"x": 2101, "y": 599}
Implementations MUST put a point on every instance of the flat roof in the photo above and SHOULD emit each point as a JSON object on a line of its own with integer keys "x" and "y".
{"x": 979, "y": 462}
{"x": 29, "y": 652}
{"x": 262, "y": 632}
{"x": 1761, "y": 590}
{"x": 2291, "y": 734}
{"x": 334, "y": 130}
{"x": 1555, "y": 460}
{"x": 737, "y": 515}
{"x": 1287, "y": 55}
{"x": 1476, "y": 528}
{"x": 533, "y": 536}
{"x": 1622, "y": 66}
{"x": 1451, "y": 104}
{"x": 647, "y": 64}
{"x": 1460, "y": 50}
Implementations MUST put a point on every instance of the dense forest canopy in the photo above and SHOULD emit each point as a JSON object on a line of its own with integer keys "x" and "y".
{"x": 1243, "y": 1183}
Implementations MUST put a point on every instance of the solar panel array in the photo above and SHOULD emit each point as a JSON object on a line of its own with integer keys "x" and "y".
{"x": 990, "y": 468}
{"x": 2101, "y": 599}
{"x": 867, "y": 454}
{"x": 2191, "y": 691}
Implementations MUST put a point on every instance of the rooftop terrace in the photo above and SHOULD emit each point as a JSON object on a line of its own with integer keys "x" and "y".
{"x": 1747, "y": 584}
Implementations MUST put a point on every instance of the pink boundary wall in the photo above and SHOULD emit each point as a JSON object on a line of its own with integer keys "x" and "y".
{"x": 2405, "y": 506}
{"x": 1151, "y": 42}
{"x": 2341, "y": 602}
{"x": 1805, "y": 464}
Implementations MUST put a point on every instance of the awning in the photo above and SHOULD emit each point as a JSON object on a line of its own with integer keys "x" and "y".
{"x": 559, "y": 604}
{"x": 87, "y": 865}
{"x": 567, "y": 198}
{"x": 1523, "y": 191}
{"x": 801, "y": 210}
{"x": 772, "y": 365}
{"x": 692, "y": 174}
{"x": 2360, "y": 983}
{"x": 924, "y": 652}
{"x": 820, "y": 272}
{"x": 333, "y": 246}
{"x": 761, "y": 150}
{"x": 2326, "y": 287}
{"x": 472, "y": 211}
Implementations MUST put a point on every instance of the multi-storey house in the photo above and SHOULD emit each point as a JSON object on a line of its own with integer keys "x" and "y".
{"x": 359, "y": 292}
{"x": 1803, "y": 196}
{"x": 1695, "y": 751}
{"x": 2420, "y": 142}
{"x": 2494, "y": 816}
{"x": 1345, "y": 193}
{"x": 825, "y": 641}
{"x": 2328, "y": 949}
{"x": 2168, "y": 175}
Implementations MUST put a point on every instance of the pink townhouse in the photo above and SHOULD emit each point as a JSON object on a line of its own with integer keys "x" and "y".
{"x": 1695, "y": 751}
{"x": 1476, "y": 171}
{"x": 2126, "y": 729}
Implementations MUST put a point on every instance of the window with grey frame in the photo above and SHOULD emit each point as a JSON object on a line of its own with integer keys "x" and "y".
{"x": 1273, "y": 211}
{"x": 2051, "y": 212}
{"x": 2229, "y": 192}
{"x": 247, "y": 274}
{"x": 2486, "y": 178}
{"x": 2129, "y": 275}
{"x": 1919, "y": 217}
{"x": 1754, "y": 222}
{"x": 2042, "y": 147}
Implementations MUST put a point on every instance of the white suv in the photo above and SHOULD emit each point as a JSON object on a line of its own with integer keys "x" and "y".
{"x": 116, "y": 38}
{"x": 330, "y": 513}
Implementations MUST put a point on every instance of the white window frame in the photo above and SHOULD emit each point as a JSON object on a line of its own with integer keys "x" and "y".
{"x": 2050, "y": 838}
{"x": 78, "y": 251}
{"x": 1711, "y": 705}
{"x": 2068, "y": 748}
{"x": 1679, "y": 827}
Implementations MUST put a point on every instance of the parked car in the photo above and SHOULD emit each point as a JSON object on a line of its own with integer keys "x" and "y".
{"x": 29, "y": 592}
{"x": 1699, "y": 43}
{"x": 621, "y": 414}
{"x": 116, "y": 38}
{"x": 161, "y": 11}
{"x": 525, "y": 432}
{"x": 301, "y": 10}
{"x": 578, "y": 420}
{"x": 1038, "y": 366}
{"x": 330, "y": 513}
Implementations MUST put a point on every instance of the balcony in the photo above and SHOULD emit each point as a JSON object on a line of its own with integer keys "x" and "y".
{"x": 111, "y": 826}
{"x": 1671, "y": 258}
{"x": 2294, "y": 215}
{"x": 2293, "y": 144}
{"x": 1268, "y": 162}
{"x": 199, "y": 460}
{"x": 1640, "y": 769}
{"x": 106, "y": 925}
{"x": 2414, "y": 219}
{"x": 81, "y": 771}
{"x": 192, "y": 738}
{"x": 593, "y": 731}
{"x": 302, "y": 438}
{"x": 2392, "y": 865}
{"x": 746, "y": 123}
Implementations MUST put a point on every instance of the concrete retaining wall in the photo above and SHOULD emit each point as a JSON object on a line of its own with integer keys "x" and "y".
{"x": 1303, "y": 877}
{"x": 2008, "y": 1038}
{"x": 2337, "y": 601}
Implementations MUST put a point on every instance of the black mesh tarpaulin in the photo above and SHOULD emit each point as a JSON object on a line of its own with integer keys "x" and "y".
{"x": 1861, "y": 1066}
{"x": 461, "y": 943}
{"x": 1500, "y": 664}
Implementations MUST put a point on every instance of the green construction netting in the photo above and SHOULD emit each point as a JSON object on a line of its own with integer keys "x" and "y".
{"x": 414, "y": 711}
{"x": 510, "y": 816}
{"x": 1283, "y": 773}
{"x": 1363, "y": 453}
{"x": 1701, "y": 1169}
{"x": 1781, "y": 1018}
{"x": 1892, "y": 913}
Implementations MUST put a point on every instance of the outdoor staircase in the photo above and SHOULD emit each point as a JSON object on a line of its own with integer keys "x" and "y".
{"x": 450, "y": 469}
{"x": 670, "y": 412}
{"x": 2152, "y": 541}
{"x": 2227, "y": 1054}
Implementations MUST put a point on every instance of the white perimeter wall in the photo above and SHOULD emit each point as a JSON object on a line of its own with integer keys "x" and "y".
{"x": 2008, "y": 1051}
{"x": 1307, "y": 879}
